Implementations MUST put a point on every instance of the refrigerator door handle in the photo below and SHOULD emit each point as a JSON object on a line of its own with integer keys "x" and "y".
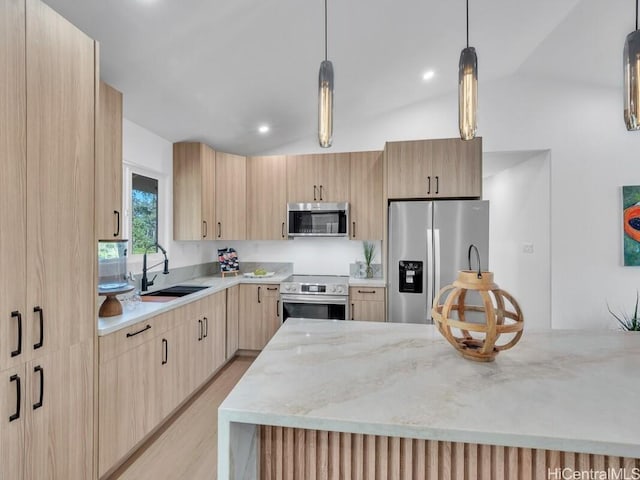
{"x": 436, "y": 262}
{"x": 430, "y": 271}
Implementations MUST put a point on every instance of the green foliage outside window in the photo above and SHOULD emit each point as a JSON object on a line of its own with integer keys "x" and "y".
{"x": 144, "y": 206}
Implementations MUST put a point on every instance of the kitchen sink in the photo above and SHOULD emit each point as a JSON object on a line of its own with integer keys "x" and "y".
{"x": 175, "y": 291}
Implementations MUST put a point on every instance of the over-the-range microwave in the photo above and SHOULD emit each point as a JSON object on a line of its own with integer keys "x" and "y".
{"x": 322, "y": 219}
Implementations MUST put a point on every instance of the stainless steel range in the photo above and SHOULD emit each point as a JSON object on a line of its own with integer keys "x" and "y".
{"x": 322, "y": 297}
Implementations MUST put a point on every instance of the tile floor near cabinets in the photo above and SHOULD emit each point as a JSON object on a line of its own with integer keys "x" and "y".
{"x": 187, "y": 447}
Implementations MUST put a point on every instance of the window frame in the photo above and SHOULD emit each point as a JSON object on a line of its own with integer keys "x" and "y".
{"x": 163, "y": 238}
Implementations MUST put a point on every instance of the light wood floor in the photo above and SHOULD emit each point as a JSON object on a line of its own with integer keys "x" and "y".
{"x": 187, "y": 448}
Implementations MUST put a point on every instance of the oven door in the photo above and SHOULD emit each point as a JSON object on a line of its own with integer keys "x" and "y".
{"x": 322, "y": 307}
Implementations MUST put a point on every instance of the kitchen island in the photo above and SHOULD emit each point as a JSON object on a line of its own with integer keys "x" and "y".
{"x": 331, "y": 399}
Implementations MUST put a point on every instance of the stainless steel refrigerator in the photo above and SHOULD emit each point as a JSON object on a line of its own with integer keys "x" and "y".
{"x": 428, "y": 245}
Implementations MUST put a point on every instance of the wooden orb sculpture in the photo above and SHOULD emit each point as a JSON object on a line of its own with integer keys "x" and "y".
{"x": 502, "y": 315}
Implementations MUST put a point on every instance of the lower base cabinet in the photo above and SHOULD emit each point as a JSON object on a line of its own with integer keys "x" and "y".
{"x": 259, "y": 316}
{"x": 142, "y": 385}
{"x": 368, "y": 304}
{"x": 46, "y": 424}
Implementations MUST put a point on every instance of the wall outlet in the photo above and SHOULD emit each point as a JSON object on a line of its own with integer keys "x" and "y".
{"x": 527, "y": 248}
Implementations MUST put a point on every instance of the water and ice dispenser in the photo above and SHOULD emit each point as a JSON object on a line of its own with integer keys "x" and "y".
{"x": 410, "y": 278}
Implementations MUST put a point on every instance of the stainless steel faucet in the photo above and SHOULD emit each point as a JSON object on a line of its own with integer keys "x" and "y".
{"x": 148, "y": 283}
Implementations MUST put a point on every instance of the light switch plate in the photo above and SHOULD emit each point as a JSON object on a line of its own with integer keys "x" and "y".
{"x": 527, "y": 248}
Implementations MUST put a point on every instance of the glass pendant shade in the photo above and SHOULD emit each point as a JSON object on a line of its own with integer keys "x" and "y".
{"x": 325, "y": 104}
{"x": 631, "y": 60}
{"x": 468, "y": 93}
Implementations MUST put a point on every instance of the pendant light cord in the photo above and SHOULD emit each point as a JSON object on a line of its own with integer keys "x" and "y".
{"x": 468, "y": 20}
{"x": 325, "y": 29}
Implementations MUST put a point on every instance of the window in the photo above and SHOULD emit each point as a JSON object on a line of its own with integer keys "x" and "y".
{"x": 144, "y": 214}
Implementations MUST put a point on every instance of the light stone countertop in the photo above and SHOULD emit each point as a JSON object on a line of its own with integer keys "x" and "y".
{"x": 145, "y": 310}
{"x": 561, "y": 390}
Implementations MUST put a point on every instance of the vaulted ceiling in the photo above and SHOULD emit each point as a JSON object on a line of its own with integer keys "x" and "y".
{"x": 213, "y": 70}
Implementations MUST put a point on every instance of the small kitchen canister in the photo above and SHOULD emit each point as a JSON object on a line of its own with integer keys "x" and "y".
{"x": 474, "y": 330}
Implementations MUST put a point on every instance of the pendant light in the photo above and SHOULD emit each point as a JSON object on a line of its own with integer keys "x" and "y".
{"x": 631, "y": 61}
{"x": 325, "y": 95}
{"x": 468, "y": 89}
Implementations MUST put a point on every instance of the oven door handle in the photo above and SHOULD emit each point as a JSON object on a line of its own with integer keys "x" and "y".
{"x": 315, "y": 299}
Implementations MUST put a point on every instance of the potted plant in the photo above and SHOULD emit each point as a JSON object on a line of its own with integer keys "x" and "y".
{"x": 627, "y": 322}
{"x": 369, "y": 255}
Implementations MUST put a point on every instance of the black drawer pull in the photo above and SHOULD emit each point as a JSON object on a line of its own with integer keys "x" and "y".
{"x": 206, "y": 327}
{"x": 259, "y": 294}
{"x": 204, "y": 229}
{"x": 428, "y": 185}
{"x": 18, "y": 350}
{"x": 437, "y": 184}
{"x": 353, "y": 308}
{"x": 320, "y": 192}
{"x": 16, "y": 378}
{"x": 40, "y": 313}
{"x": 272, "y": 289}
{"x": 219, "y": 230}
{"x": 200, "y": 330}
{"x": 38, "y": 404}
{"x": 139, "y": 331}
{"x": 314, "y": 193}
{"x": 282, "y": 229}
{"x": 278, "y": 308}
{"x": 366, "y": 291}
{"x": 166, "y": 351}
{"x": 117, "y": 214}
{"x": 354, "y": 230}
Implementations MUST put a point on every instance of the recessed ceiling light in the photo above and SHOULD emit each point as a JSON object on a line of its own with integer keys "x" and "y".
{"x": 263, "y": 129}
{"x": 428, "y": 75}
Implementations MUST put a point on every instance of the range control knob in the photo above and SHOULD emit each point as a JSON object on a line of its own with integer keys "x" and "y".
{"x": 332, "y": 289}
{"x": 339, "y": 289}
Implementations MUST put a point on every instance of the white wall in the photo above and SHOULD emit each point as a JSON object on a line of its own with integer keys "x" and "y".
{"x": 592, "y": 157}
{"x": 519, "y": 198}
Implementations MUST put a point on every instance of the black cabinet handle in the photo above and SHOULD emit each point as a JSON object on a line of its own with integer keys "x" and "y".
{"x": 353, "y": 307}
{"x": 200, "y": 329}
{"x": 320, "y": 192}
{"x": 40, "y": 313}
{"x": 314, "y": 193}
{"x": 139, "y": 331}
{"x": 366, "y": 291}
{"x": 259, "y": 294}
{"x": 354, "y": 229}
{"x": 282, "y": 229}
{"x": 205, "y": 229}
{"x": 437, "y": 184}
{"x": 278, "y": 308}
{"x": 272, "y": 289}
{"x": 166, "y": 351}
{"x": 219, "y": 229}
{"x": 206, "y": 327}
{"x": 38, "y": 404}
{"x": 16, "y": 378}
{"x": 18, "y": 350}
{"x": 117, "y": 214}
{"x": 428, "y": 184}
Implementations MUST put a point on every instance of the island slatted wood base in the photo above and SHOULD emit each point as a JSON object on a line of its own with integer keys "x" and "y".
{"x": 294, "y": 453}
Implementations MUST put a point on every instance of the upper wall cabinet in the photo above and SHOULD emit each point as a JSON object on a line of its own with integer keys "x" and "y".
{"x": 266, "y": 198}
{"x": 443, "y": 168}
{"x": 230, "y": 197}
{"x": 367, "y": 205}
{"x": 109, "y": 163}
{"x": 193, "y": 191}
{"x": 209, "y": 193}
{"x": 318, "y": 178}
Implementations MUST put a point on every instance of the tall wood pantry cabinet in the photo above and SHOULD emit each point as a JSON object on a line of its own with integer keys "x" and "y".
{"x": 47, "y": 247}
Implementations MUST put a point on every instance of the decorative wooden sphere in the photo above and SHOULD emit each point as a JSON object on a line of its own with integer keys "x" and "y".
{"x": 502, "y": 315}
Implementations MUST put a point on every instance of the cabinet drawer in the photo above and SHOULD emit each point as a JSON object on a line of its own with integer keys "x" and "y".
{"x": 269, "y": 290}
{"x": 117, "y": 343}
{"x": 373, "y": 294}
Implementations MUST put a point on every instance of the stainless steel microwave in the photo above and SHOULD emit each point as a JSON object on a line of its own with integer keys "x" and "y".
{"x": 318, "y": 219}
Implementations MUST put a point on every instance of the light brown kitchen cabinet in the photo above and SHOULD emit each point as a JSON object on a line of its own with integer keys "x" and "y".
{"x": 442, "y": 168}
{"x": 368, "y": 304}
{"x": 193, "y": 191}
{"x": 48, "y": 315}
{"x": 207, "y": 343}
{"x": 366, "y": 207}
{"x": 266, "y": 198}
{"x": 233, "y": 304}
{"x": 108, "y": 183}
{"x": 230, "y": 197}
{"x": 259, "y": 316}
{"x": 318, "y": 178}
